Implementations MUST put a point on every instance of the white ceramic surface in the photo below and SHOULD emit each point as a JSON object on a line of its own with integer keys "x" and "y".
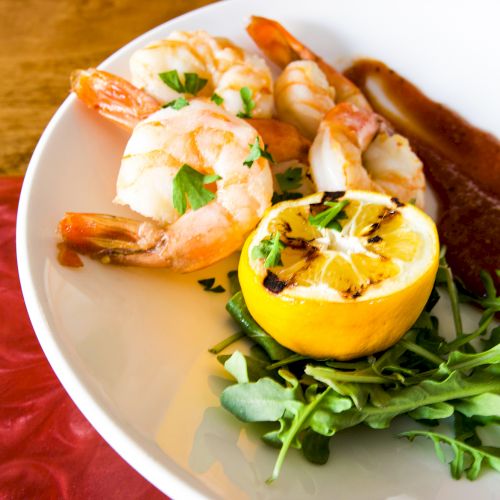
{"x": 130, "y": 345}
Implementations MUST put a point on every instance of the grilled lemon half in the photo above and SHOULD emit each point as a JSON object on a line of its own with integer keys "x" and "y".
{"x": 340, "y": 286}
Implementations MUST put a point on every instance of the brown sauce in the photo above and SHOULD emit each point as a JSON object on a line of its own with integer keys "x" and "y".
{"x": 461, "y": 162}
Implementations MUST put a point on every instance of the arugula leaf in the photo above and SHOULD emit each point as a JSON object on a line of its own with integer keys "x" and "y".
{"x": 421, "y": 376}
{"x": 248, "y": 103}
{"x": 219, "y": 347}
{"x": 326, "y": 218}
{"x": 236, "y": 365}
{"x": 331, "y": 404}
{"x": 322, "y": 373}
{"x": 263, "y": 401}
{"x": 291, "y": 359}
{"x": 208, "y": 286}
{"x": 463, "y": 341}
{"x": 465, "y": 429}
{"x": 391, "y": 357}
{"x": 493, "y": 339}
{"x": 217, "y": 99}
{"x": 193, "y": 83}
{"x": 290, "y": 179}
{"x": 269, "y": 401}
{"x": 427, "y": 327}
{"x": 316, "y": 447}
{"x": 482, "y": 405}
{"x": 243, "y": 367}
{"x": 171, "y": 78}
{"x": 258, "y": 352}
{"x": 256, "y": 152}
{"x": 432, "y": 412}
{"x": 177, "y": 104}
{"x": 491, "y": 301}
{"x": 298, "y": 424}
{"x": 270, "y": 250}
{"x": 188, "y": 183}
{"x": 445, "y": 271}
{"x": 459, "y": 466}
{"x": 234, "y": 282}
{"x": 463, "y": 361}
{"x": 421, "y": 351}
{"x": 426, "y": 393}
{"x": 238, "y": 309}
{"x": 488, "y": 283}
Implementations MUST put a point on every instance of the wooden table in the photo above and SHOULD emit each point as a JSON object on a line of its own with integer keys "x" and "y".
{"x": 42, "y": 41}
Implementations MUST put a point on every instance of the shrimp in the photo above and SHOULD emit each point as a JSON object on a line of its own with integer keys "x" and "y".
{"x": 119, "y": 101}
{"x": 352, "y": 150}
{"x": 211, "y": 141}
{"x": 303, "y": 96}
{"x": 226, "y": 67}
{"x": 354, "y": 147}
{"x": 282, "y": 48}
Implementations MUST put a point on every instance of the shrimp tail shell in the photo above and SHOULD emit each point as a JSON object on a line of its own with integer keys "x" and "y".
{"x": 114, "y": 240}
{"x": 281, "y": 47}
{"x": 113, "y": 97}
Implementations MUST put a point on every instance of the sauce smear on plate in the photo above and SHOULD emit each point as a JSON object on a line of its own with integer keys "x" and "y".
{"x": 461, "y": 162}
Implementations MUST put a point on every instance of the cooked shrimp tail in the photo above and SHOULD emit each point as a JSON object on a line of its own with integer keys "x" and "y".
{"x": 113, "y": 97}
{"x": 115, "y": 240}
{"x": 285, "y": 142}
{"x": 282, "y": 48}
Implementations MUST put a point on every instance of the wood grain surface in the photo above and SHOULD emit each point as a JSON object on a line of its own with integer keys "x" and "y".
{"x": 42, "y": 41}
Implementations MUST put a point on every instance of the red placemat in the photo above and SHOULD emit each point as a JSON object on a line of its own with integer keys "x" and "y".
{"x": 47, "y": 447}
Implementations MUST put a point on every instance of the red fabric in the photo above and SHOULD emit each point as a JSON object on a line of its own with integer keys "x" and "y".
{"x": 47, "y": 448}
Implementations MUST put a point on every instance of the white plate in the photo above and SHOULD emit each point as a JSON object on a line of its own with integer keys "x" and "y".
{"x": 130, "y": 345}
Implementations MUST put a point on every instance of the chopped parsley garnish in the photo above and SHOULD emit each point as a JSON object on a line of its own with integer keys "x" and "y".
{"x": 208, "y": 286}
{"x": 188, "y": 183}
{"x": 192, "y": 82}
{"x": 290, "y": 179}
{"x": 270, "y": 250}
{"x": 217, "y": 99}
{"x": 248, "y": 103}
{"x": 329, "y": 218}
{"x": 256, "y": 152}
{"x": 178, "y": 103}
{"x": 171, "y": 78}
{"x": 284, "y": 196}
